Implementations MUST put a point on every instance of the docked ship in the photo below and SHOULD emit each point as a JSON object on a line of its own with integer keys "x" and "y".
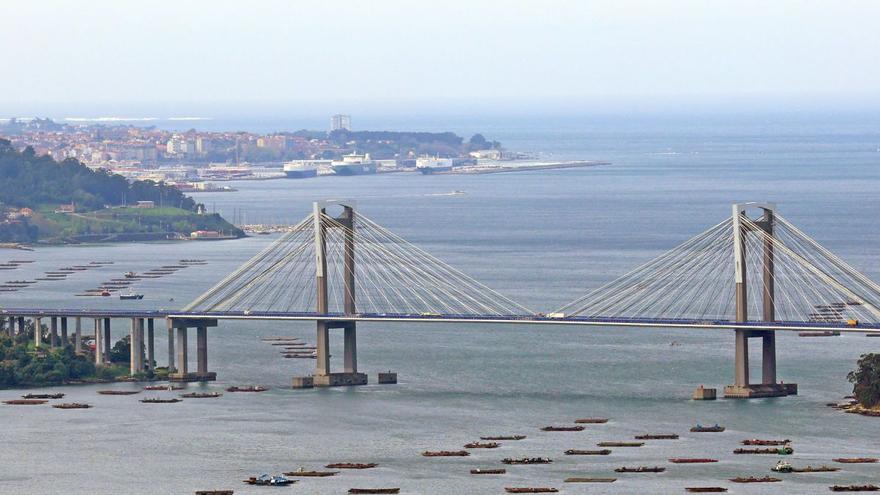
{"x": 354, "y": 164}
{"x": 303, "y": 169}
{"x": 430, "y": 165}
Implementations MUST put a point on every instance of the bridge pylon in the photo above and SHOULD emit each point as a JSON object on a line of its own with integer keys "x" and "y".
{"x": 742, "y": 387}
{"x": 323, "y": 377}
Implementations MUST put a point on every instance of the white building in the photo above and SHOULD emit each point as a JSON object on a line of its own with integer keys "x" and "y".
{"x": 340, "y": 121}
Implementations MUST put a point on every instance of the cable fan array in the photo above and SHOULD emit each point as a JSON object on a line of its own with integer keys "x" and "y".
{"x": 695, "y": 281}
{"x": 392, "y": 276}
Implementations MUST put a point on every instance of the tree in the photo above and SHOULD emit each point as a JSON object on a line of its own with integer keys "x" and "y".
{"x": 121, "y": 351}
{"x": 478, "y": 142}
{"x": 866, "y": 380}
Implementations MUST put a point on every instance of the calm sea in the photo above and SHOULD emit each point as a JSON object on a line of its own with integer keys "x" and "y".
{"x": 542, "y": 238}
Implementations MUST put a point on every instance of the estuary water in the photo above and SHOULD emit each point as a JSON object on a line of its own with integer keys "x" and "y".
{"x": 542, "y": 238}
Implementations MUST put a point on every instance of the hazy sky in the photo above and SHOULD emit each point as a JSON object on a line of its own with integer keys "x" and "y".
{"x": 401, "y": 53}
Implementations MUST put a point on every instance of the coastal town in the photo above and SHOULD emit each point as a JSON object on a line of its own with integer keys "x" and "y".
{"x": 193, "y": 160}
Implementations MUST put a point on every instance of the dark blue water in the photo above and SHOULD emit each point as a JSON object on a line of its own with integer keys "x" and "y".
{"x": 542, "y": 238}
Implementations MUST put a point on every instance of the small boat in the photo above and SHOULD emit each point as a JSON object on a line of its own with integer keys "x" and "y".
{"x": 782, "y": 467}
{"x": 131, "y": 296}
{"x": 480, "y": 445}
{"x": 505, "y": 437}
{"x": 105, "y": 293}
{"x": 373, "y": 490}
{"x": 811, "y": 469}
{"x": 266, "y": 480}
{"x": 201, "y": 395}
{"x": 156, "y": 400}
{"x": 756, "y": 441}
{"x": 25, "y": 402}
{"x": 446, "y": 453}
{"x": 691, "y": 460}
{"x": 785, "y": 450}
{"x": 592, "y": 421}
{"x": 488, "y": 471}
{"x": 854, "y": 488}
{"x": 71, "y": 405}
{"x": 511, "y": 489}
{"x": 786, "y": 467}
{"x": 163, "y": 387}
{"x": 527, "y": 460}
{"x": 657, "y": 436}
{"x": 620, "y": 444}
{"x": 590, "y": 480}
{"x": 640, "y": 469}
{"x": 351, "y": 465}
{"x": 250, "y": 388}
{"x": 118, "y": 392}
{"x": 752, "y": 479}
{"x": 705, "y": 489}
{"x": 856, "y": 460}
{"x": 311, "y": 474}
{"x": 563, "y": 428}
{"x": 707, "y": 429}
{"x": 42, "y": 396}
{"x": 587, "y": 452}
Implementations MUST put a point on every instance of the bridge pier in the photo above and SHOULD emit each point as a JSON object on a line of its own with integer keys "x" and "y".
{"x": 64, "y": 339}
{"x": 99, "y": 341}
{"x": 53, "y": 332}
{"x": 106, "y": 345}
{"x": 323, "y": 377}
{"x": 137, "y": 347}
{"x": 38, "y": 332}
{"x": 77, "y": 336}
{"x": 202, "y": 374}
{"x": 151, "y": 349}
{"x": 170, "y": 346}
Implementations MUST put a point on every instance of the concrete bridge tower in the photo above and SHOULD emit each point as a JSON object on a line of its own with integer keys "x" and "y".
{"x": 742, "y": 387}
{"x": 346, "y": 222}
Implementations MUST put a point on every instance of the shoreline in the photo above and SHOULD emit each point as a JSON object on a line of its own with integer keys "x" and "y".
{"x": 499, "y": 169}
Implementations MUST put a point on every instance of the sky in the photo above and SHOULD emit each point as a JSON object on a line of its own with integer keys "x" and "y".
{"x": 103, "y": 55}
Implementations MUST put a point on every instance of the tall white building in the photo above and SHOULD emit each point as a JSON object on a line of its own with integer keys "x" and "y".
{"x": 340, "y": 121}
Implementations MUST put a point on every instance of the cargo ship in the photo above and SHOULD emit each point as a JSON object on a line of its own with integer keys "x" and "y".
{"x": 303, "y": 169}
{"x": 354, "y": 164}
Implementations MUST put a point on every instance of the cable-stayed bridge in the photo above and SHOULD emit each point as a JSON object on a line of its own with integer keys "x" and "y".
{"x": 754, "y": 274}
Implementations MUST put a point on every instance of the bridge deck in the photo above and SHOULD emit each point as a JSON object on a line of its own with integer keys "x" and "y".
{"x": 436, "y": 318}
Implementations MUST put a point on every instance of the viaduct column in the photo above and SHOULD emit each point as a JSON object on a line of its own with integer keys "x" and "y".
{"x": 182, "y": 358}
{"x": 202, "y": 350}
{"x": 77, "y": 335}
{"x": 64, "y": 340}
{"x": 53, "y": 332}
{"x": 151, "y": 341}
{"x": 170, "y": 344}
{"x": 38, "y": 332}
{"x": 99, "y": 342}
{"x": 106, "y": 346}
{"x": 137, "y": 346}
